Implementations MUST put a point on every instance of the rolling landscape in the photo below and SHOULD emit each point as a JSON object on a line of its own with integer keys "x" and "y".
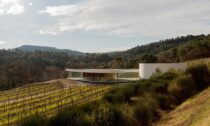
{"x": 104, "y": 63}
{"x": 39, "y": 97}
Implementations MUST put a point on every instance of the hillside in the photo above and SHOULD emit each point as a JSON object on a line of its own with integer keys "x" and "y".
{"x": 163, "y": 45}
{"x": 45, "y": 97}
{"x": 200, "y": 61}
{"x": 32, "y": 48}
{"x": 193, "y": 112}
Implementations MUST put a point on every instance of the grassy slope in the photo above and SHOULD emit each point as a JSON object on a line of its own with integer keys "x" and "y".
{"x": 193, "y": 112}
{"x": 199, "y": 61}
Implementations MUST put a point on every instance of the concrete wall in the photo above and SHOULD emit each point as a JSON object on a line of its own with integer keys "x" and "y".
{"x": 146, "y": 70}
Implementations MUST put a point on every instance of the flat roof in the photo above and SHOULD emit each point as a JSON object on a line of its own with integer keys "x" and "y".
{"x": 103, "y": 70}
{"x": 164, "y": 63}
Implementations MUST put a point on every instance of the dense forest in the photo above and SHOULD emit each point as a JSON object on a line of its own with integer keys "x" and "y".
{"x": 21, "y": 65}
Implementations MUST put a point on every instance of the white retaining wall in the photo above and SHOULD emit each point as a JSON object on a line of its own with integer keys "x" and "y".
{"x": 146, "y": 70}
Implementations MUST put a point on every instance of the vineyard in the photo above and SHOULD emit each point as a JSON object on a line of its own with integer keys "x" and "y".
{"x": 47, "y": 98}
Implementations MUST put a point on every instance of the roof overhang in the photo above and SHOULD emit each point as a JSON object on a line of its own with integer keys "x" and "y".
{"x": 103, "y": 70}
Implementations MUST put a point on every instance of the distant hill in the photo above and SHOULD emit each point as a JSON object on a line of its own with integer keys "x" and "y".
{"x": 31, "y": 48}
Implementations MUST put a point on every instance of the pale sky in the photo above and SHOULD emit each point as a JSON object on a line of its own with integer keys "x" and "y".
{"x": 99, "y": 25}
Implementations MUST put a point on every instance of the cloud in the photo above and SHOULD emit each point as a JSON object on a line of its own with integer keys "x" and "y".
{"x": 2, "y": 42}
{"x": 60, "y": 10}
{"x": 16, "y": 9}
{"x": 30, "y": 4}
{"x": 1, "y": 11}
{"x": 160, "y": 18}
{"x": 11, "y": 7}
{"x": 47, "y": 32}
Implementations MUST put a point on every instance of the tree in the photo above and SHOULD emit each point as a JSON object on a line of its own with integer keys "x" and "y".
{"x": 148, "y": 58}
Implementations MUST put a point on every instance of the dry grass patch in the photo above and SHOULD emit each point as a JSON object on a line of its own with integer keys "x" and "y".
{"x": 195, "y": 111}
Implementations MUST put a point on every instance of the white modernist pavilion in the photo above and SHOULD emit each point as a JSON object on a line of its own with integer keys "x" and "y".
{"x": 103, "y": 74}
{"x": 145, "y": 71}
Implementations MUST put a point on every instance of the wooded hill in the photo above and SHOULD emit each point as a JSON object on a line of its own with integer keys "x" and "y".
{"x": 170, "y": 50}
{"x": 29, "y": 64}
{"x": 32, "y": 48}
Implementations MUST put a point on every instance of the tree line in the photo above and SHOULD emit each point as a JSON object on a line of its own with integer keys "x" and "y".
{"x": 18, "y": 67}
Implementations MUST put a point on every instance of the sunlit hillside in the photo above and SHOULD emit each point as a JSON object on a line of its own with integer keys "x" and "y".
{"x": 193, "y": 112}
{"x": 200, "y": 61}
{"x": 46, "y": 97}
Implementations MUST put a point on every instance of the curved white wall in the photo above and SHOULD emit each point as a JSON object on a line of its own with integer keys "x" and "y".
{"x": 146, "y": 70}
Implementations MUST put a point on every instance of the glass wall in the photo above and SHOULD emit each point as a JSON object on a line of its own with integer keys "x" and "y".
{"x": 128, "y": 75}
{"x": 74, "y": 75}
{"x": 99, "y": 76}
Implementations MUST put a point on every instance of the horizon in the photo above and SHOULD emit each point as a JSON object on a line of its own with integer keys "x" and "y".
{"x": 96, "y": 51}
{"x": 99, "y": 25}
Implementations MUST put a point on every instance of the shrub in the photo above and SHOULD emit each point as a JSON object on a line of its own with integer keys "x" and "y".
{"x": 145, "y": 110}
{"x": 114, "y": 96}
{"x": 159, "y": 86}
{"x": 165, "y": 101}
{"x": 144, "y": 85}
{"x": 119, "y": 94}
{"x": 182, "y": 87}
{"x": 110, "y": 115}
{"x": 89, "y": 107}
{"x": 128, "y": 91}
{"x": 72, "y": 116}
{"x": 34, "y": 120}
{"x": 104, "y": 116}
{"x": 167, "y": 76}
{"x": 200, "y": 74}
{"x": 156, "y": 84}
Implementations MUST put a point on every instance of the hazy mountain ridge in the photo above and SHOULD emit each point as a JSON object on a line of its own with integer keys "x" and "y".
{"x": 32, "y": 48}
{"x": 151, "y": 48}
